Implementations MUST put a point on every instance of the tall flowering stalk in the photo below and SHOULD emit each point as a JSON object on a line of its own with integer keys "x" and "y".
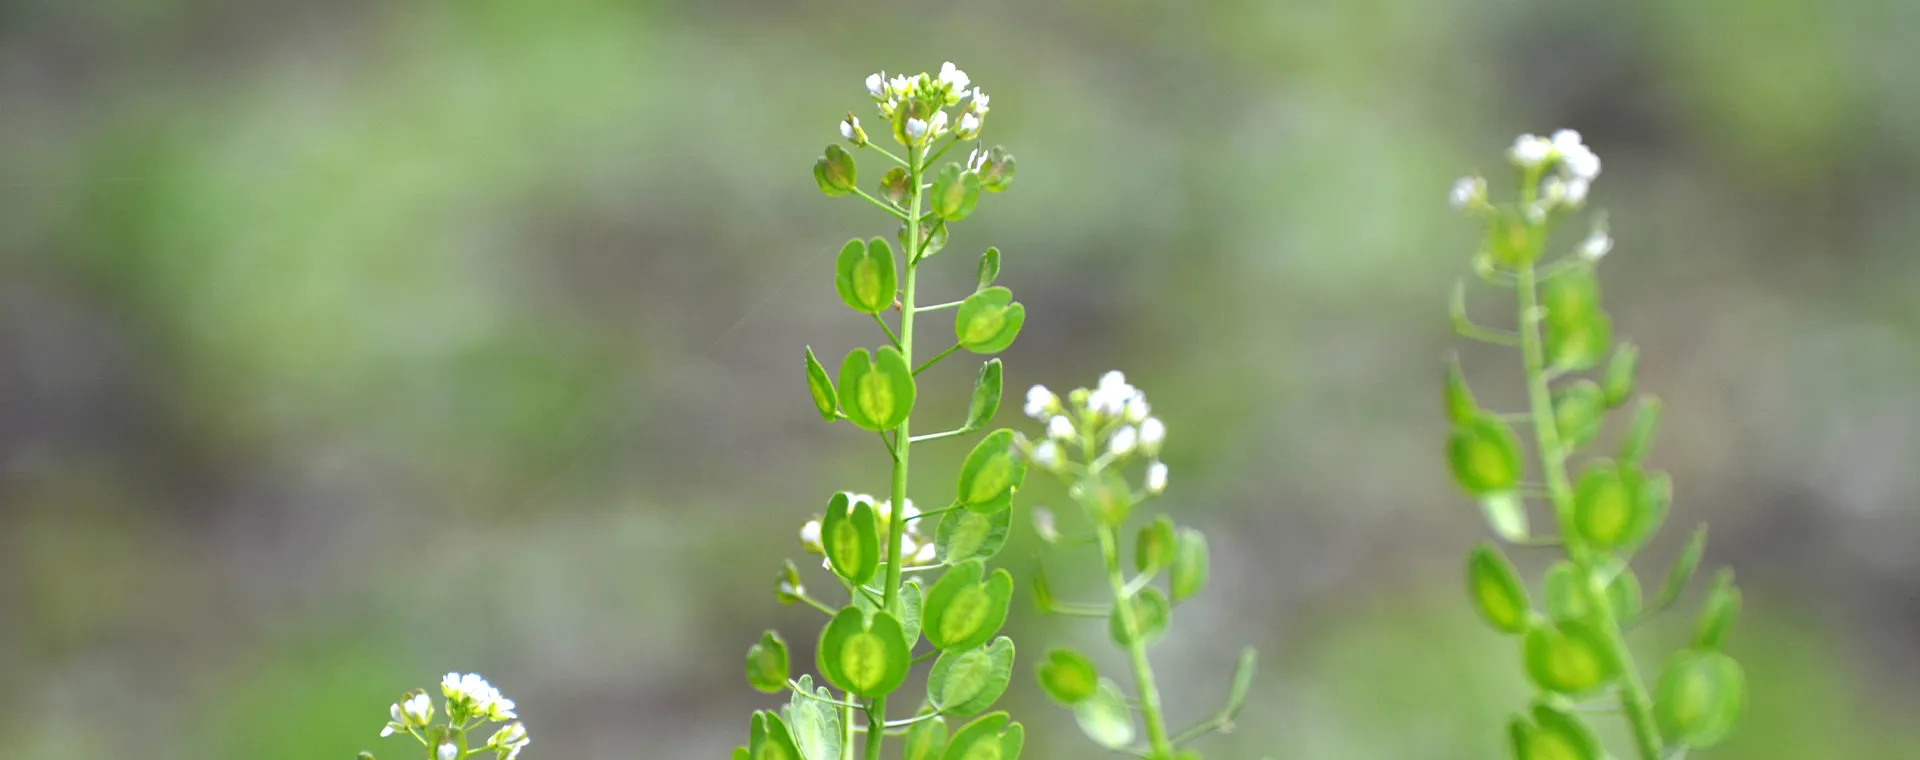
{"x": 1576, "y": 651}
{"x": 878, "y": 549}
{"x": 1105, "y": 444}
{"x": 470, "y": 704}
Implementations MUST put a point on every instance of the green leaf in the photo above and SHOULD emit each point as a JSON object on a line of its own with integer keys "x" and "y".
{"x": 1484, "y": 454}
{"x": 986, "y": 396}
{"x": 767, "y": 663}
{"x": 1578, "y": 409}
{"x": 964, "y": 534}
{"x": 893, "y": 185}
{"x": 1104, "y": 717}
{"x": 1506, "y": 515}
{"x": 1681, "y": 573}
{"x": 964, "y": 683}
{"x": 835, "y": 173}
{"x": 1578, "y": 344}
{"x": 1700, "y": 698}
{"x": 865, "y": 275}
{"x": 1150, "y": 612}
{"x": 1608, "y": 505}
{"x": 851, "y": 536}
{"x": 876, "y": 390}
{"x": 1639, "y": 437}
{"x": 1556, "y": 735}
{"x": 1619, "y": 377}
{"x": 955, "y": 191}
{"x": 1716, "y": 616}
{"x": 815, "y": 724}
{"x": 1567, "y": 658}
{"x": 1153, "y": 548}
{"x": 992, "y": 472}
{"x": 1242, "y": 681}
{"x": 770, "y": 739}
{"x": 925, "y": 740}
{"x": 962, "y": 611}
{"x": 989, "y": 737}
{"x": 989, "y": 268}
{"x": 1565, "y": 589}
{"x": 988, "y": 321}
{"x": 1068, "y": 677}
{"x": 1461, "y": 408}
{"x": 866, "y": 657}
{"x": 1498, "y": 594}
{"x": 821, "y": 388}
{"x": 1187, "y": 575}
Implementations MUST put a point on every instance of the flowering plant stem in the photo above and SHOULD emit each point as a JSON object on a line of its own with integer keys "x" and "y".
{"x": 1149, "y": 694}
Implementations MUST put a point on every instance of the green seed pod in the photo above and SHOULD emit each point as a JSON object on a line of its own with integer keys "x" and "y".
{"x": 1610, "y": 508}
{"x": 1188, "y": 574}
{"x": 1497, "y": 592}
{"x": 767, "y": 663}
{"x": 986, "y": 396}
{"x": 1700, "y": 698}
{"x": 1242, "y": 681}
{"x": 968, "y": 682}
{"x": 1150, "y": 613}
{"x": 964, "y": 534}
{"x": 1639, "y": 437}
{"x": 820, "y": 388}
{"x": 1624, "y": 595}
{"x": 876, "y": 389}
{"x": 989, "y": 269}
{"x": 994, "y": 470}
{"x": 989, "y": 736}
{"x": 988, "y": 321}
{"x": 962, "y": 610}
{"x": 1485, "y": 456}
{"x": 893, "y": 186}
{"x": 1104, "y": 717}
{"x": 925, "y": 740}
{"x": 770, "y": 739}
{"x": 1678, "y": 576}
{"x": 865, "y": 276}
{"x": 1619, "y": 378}
{"x": 786, "y": 585}
{"x": 1568, "y": 658}
{"x": 908, "y": 608}
{"x": 955, "y": 191}
{"x": 866, "y": 657}
{"x": 1571, "y": 297}
{"x": 1578, "y": 409}
{"x": 1068, "y": 676}
{"x": 1510, "y": 242}
{"x": 815, "y": 724}
{"x": 933, "y": 237}
{"x": 1556, "y": 735}
{"x": 850, "y": 534}
{"x": 1578, "y": 343}
{"x": 1566, "y": 592}
{"x": 1716, "y": 616}
{"x": 835, "y": 172}
{"x": 1461, "y": 408}
{"x": 1153, "y": 547}
{"x": 996, "y": 175}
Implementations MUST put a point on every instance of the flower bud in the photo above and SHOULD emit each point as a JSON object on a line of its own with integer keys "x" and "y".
{"x": 1041, "y": 403}
{"x": 786, "y": 585}
{"x": 1060, "y": 427}
{"x": 969, "y": 126}
{"x": 1123, "y": 441}
{"x": 893, "y": 186}
{"x": 810, "y": 537}
{"x": 1152, "y": 433}
{"x": 1156, "y": 478}
{"x": 447, "y": 749}
{"x": 1046, "y": 455}
{"x": 509, "y": 741}
{"x": 1043, "y": 525}
{"x": 1137, "y": 409}
{"x": 1468, "y": 193}
{"x": 877, "y": 86}
{"x": 850, "y": 129}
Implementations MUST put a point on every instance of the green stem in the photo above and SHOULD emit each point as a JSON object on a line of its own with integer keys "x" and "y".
{"x": 939, "y": 306}
{"x": 1553, "y": 462}
{"x": 1150, "y": 711}
{"x": 903, "y": 438}
{"x": 936, "y": 359}
{"x": 888, "y": 330}
{"x": 883, "y": 205}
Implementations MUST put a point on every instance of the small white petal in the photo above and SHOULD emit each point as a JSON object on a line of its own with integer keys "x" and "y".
{"x": 1596, "y": 245}
{"x": 1047, "y": 455}
{"x": 1060, "y": 427}
{"x": 877, "y": 85}
{"x": 1137, "y": 408}
{"x": 1157, "y": 477}
{"x": 447, "y": 750}
{"x": 1152, "y": 432}
{"x": 916, "y": 128}
{"x": 1123, "y": 441}
{"x": 1040, "y": 401}
{"x": 1529, "y": 151}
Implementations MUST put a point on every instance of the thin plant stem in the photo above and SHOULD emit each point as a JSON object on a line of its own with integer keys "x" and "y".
{"x": 888, "y": 330}
{"x": 939, "y": 306}
{"x": 940, "y": 435}
{"x": 884, "y": 206}
{"x": 1150, "y": 712}
{"x": 936, "y": 359}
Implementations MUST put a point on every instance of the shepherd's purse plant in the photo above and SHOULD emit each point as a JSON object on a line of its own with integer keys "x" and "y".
{"x": 1105, "y": 444}
{"x": 1576, "y": 652}
{"x": 880, "y": 548}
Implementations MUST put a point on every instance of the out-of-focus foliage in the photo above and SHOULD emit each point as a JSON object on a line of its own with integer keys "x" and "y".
{"x": 345, "y": 344}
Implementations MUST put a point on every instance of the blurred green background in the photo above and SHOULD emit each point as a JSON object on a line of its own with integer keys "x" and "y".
{"x": 344, "y": 344}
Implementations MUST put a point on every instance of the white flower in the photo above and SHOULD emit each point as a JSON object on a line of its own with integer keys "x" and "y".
{"x": 954, "y": 78}
{"x": 1576, "y": 159}
{"x": 1596, "y": 245}
{"x": 939, "y": 123}
{"x": 509, "y": 740}
{"x": 1044, "y": 526}
{"x": 980, "y": 101}
{"x": 877, "y": 85}
{"x": 1060, "y": 427}
{"x": 1040, "y": 401}
{"x": 1137, "y": 408}
{"x": 1156, "y": 477}
{"x": 968, "y": 128}
{"x": 474, "y": 695}
{"x": 848, "y": 125}
{"x": 1047, "y": 455}
{"x": 903, "y": 85}
{"x": 810, "y": 537}
{"x": 976, "y": 160}
{"x": 447, "y": 750}
{"x": 916, "y": 129}
{"x": 1152, "y": 433}
{"x": 1466, "y": 192}
{"x": 1112, "y": 395}
{"x": 1530, "y": 151}
{"x": 1576, "y": 191}
{"x": 1123, "y": 441}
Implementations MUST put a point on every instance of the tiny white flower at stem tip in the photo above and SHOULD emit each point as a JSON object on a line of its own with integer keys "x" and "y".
{"x": 810, "y": 537}
{"x": 1156, "y": 478}
{"x": 916, "y": 130}
{"x": 955, "y": 79}
{"x": 447, "y": 750}
{"x": 969, "y": 126}
{"x": 850, "y": 129}
{"x": 1041, "y": 402}
{"x": 1468, "y": 192}
{"x": 1137, "y": 408}
{"x": 1530, "y": 151}
{"x": 1046, "y": 455}
{"x": 1123, "y": 441}
{"x": 877, "y": 85}
{"x": 1153, "y": 432}
{"x": 1060, "y": 427}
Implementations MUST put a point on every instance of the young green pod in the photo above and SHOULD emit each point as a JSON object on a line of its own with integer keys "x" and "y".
{"x": 877, "y": 389}
{"x": 1578, "y": 409}
{"x": 1153, "y": 547}
{"x": 1188, "y": 573}
{"x": 835, "y": 172}
{"x": 1619, "y": 378}
{"x": 1555, "y": 735}
{"x": 1565, "y": 590}
{"x": 964, "y": 683}
{"x": 1484, "y": 454}
{"x": 1578, "y": 343}
{"x": 770, "y": 739}
{"x": 988, "y": 321}
{"x": 814, "y": 723}
{"x": 767, "y": 663}
{"x": 1571, "y": 297}
{"x": 965, "y": 608}
{"x": 866, "y": 656}
{"x": 955, "y": 191}
{"x": 991, "y": 473}
{"x": 865, "y": 276}
{"x": 989, "y": 269}
{"x": 1104, "y": 717}
{"x": 1461, "y": 408}
{"x": 893, "y": 186}
{"x": 1068, "y": 677}
{"x": 990, "y": 736}
{"x": 925, "y": 740}
{"x": 1510, "y": 241}
{"x": 1150, "y": 612}
{"x": 933, "y": 237}
{"x": 1700, "y": 698}
{"x": 1639, "y": 437}
{"x": 1568, "y": 658}
{"x": 986, "y": 396}
{"x": 1681, "y": 573}
{"x": 820, "y": 388}
{"x": 1716, "y": 616}
{"x": 996, "y": 174}
{"x": 964, "y": 534}
{"x": 1498, "y": 594}
{"x": 850, "y": 535}
{"x": 1611, "y": 507}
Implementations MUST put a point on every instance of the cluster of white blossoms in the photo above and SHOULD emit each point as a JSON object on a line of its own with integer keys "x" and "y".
{"x": 1568, "y": 187}
{"x": 918, "y": 104}
{"x": 917, "y": 549}
{"x": 1108, "y": 424}
{"x": 470, "y": 702}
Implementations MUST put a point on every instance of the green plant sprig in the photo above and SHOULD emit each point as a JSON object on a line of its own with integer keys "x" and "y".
{"x": 1091, "y": 442}
{"x": 874, "y": 546}
{"x": 1577, "y": 649}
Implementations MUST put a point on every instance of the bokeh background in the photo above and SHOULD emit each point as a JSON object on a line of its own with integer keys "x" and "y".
{"x": 344, "y": 344}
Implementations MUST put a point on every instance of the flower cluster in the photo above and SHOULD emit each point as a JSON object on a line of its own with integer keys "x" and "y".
{"x": 1109, "y": 424}
{"x": 916, "y": 106}
{"x": 470, "y": 703}
{"x": 917, "y": 549}
{"x": 1567, "y": 188}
